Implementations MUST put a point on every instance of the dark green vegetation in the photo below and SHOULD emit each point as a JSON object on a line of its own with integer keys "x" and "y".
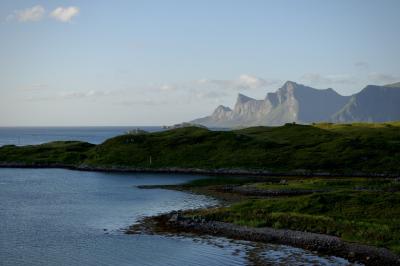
{"x": 323, "y": 184}
{"x": 344, "y": 148}
{"x": 355, "y": 209}
{"x": 224, "y": 180}
{"x": 59, "y": 152}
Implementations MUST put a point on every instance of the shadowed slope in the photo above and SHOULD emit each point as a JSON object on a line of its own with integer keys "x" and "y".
{"x": 302, "y": 148}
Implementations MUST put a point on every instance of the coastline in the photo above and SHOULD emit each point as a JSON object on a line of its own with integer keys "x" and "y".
{"x": 191, "y": 223}
{"x": 175, "y": 223}
{"x": 199, "y": 171}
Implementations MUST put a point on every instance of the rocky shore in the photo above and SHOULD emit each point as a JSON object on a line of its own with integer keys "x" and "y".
{"x": 176, "y": 222}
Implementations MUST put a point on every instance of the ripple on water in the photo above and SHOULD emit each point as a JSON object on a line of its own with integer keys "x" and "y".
{"x": 286, "y": 255}
{"x": 58, "y": 217}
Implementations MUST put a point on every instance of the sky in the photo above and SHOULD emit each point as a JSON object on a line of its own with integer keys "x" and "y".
{"x": 110, "y": 63}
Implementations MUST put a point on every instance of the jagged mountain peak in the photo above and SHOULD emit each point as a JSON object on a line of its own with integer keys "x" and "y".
{"x": 241, "y": 98}
{"x": 288, "y": 86}
{"x": 222, "y": 108}
{"x": 290, "y": 83}
{"x": 295, "y": 102}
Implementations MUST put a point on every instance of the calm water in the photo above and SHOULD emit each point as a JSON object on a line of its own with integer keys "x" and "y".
{"x": 38, "y": 135}
{"x": 59, "y": 217}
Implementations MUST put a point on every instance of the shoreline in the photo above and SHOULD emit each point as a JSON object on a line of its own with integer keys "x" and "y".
{"x": 173, "y": 222}
{"x": 198, "y": 171}
{"x": 176, "y": 223}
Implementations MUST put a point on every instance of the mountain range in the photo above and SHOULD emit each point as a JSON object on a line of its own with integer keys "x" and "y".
{"x": 298, "y": 103}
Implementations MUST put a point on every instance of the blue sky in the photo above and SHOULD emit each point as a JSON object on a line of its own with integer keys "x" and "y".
{"x": 162, "y": 62}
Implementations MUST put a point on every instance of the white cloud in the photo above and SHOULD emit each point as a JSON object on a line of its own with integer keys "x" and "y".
{"x": 251, "y": 82}
{"x": 168, "y": 87}
{"x": 64, "y": 14}
{"x": 84, "y": 94}
{"x": 76, "y": 95}
{"x": 327, "y": 80}
{"x": 243, "y": 82}
{"x": 31, "y": 14}
{"x": 382, "y": 79}
{"x": 147, "y": 102}
{"x": 212, "y": 90}
{"x": 210, "y": 95}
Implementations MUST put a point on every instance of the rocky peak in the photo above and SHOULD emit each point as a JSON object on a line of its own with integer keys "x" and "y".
{"x": 287, "y": 91}
{"x": 221, "y": 109}
{"x": 272, "y": 98}
{"x": 290, "y": 85}
{"x": 303, "y": 104}
{"x": 243, "y": 98}
{"x": 221, "y": 113}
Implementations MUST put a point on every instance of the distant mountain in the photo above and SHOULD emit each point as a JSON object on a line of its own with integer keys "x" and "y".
{"x": 393, "y": 85}
{"x": 372, "y": 104}
{"x": 302, "y": 104}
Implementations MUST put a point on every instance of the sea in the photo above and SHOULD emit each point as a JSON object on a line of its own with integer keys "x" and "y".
{"x": 38, "y": 135}
{"x": 63, "y": 217}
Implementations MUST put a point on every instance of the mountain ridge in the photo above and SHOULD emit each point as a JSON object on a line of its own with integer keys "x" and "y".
{"x": 294, "y": 102}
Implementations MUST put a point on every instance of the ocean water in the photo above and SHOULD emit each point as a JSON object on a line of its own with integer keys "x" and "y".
{"x": 38, "y": 135}
{"x": 63, "y": 217}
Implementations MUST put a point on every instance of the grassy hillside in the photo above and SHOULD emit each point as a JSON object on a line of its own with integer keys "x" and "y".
{"x": 320, "y": 147}
{"x": 370, "y": 215}
{"x": 59, "y": 152}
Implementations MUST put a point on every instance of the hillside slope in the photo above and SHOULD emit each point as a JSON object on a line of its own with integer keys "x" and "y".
{"x": 372, "y": 104}
{"x": 369, "y": 148}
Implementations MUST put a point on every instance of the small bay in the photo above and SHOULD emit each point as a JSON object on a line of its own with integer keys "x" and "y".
{"x": 64, "y": 217}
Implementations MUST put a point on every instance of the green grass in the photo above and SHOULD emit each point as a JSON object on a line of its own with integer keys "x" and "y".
{"x": 227, "y": 180}
{"x": 362, "y": 216}
{"x": 328, "y": 184}
{"x": 370, "y": 148}
{"x": 59, "y": 152}
{"x": 363, "y": 210}
{"x": 290, "y": 147}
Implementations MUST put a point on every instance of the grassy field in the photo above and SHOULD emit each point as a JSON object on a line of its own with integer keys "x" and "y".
{"x": 331, "y": 184}
{"x": 355, "y": 209}
{"x": 369, "y": 148}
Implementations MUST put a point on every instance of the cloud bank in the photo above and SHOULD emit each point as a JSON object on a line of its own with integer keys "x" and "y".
{"x": 382, "y": 79}
{"x": 317, "y": 79}
{"x": 243, "y": 82}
